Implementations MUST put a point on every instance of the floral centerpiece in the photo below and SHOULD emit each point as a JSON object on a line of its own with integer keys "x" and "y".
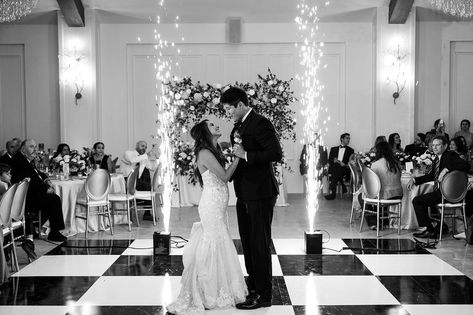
{"x": 269, "y": 96}
{"x": 184, "y": 161}
{"x": 77, "y": 163}
{"x": 424, "y": 161}
{"x": 367, "y": 158}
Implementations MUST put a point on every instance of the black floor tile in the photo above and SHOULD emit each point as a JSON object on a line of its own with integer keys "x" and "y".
{"x": 44, "y": 290}
{"x": 91, "y": 247}
{"x": 351, "y": 310}
{"x": 430, "y": 289}
{"x": 239, "y": 247}
{"x": 280, "y": 293}
{"x": 118, "y": 310}
{"x": 301, "y": 265}
{"x": 384, "y": 246}
{"x": 146, "y": 266}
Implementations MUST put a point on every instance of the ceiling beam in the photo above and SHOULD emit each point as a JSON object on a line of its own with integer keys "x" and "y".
{"x": 398, "y": 11}
{"x": 73, "y": 12}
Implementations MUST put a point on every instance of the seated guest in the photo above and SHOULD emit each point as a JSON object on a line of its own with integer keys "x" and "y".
{"x": 11, "y": 150}
{"x": 457, "y": 146}
{"x": 40, "y": 196}
{"x": 338, "y": 165}
{"x": 100, "y": 160}
{"x": 146, "y": 162}
{"x": 61, "y": 151}
{"x": 446, "y": 161}
{"x": 388, "y": 170}
{"x": 429, "y": 137}
{"x": 321, "y": 163}
{"x": 5, "y": 178}
{"x": 418, "y": 147}
{"x": 378, "y": 140}
{"x": 465, "y": 133}
{"x": 395, "y": 142}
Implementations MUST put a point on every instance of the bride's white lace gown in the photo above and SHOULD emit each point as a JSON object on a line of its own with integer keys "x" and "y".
{"x": 212, "y": 276}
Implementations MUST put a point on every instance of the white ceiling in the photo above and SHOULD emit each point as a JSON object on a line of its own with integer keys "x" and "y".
{"x": 216, "y": 11}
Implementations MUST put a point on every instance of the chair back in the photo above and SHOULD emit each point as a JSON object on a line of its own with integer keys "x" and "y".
{"x": 371, "y": 183}
{"x": 156, "y": 185}
{"x": 131, "y": 181}
{"x": 454, "y": 186}
{"x": 97, "y": 184}
{"x": 5, "y": 205}
{"x": 19, "y": 200}
{"x": 355, "y": 175}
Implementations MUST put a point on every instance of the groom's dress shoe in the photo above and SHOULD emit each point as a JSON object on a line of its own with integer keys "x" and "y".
{"x": 426, "y": 234}
{"x": 253, "y": 303}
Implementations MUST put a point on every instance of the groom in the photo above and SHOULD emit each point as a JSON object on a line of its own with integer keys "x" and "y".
{"x": 255, "y": 142}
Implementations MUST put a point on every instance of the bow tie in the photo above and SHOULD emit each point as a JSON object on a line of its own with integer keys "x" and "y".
{"x": 343, "y": 146}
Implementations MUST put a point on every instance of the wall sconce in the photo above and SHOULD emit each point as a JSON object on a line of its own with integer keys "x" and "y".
{"x": 73, "y": 72}
{"x": 397, "y": 61}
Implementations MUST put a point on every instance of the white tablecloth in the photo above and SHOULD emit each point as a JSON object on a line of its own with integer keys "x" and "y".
{"x": 69, "y": 191}
{"x": 189, "y": 195}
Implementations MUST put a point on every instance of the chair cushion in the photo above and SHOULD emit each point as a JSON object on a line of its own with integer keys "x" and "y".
{"x": 120, "y": 197}
{"x": 17, "y": 225}
{"x": 93, "y": 203}
{"x": 6, "y": 231}
{"x": 145, "y": 195}
{"x": 383, "y": 201}
{"x": 450, "y": 205}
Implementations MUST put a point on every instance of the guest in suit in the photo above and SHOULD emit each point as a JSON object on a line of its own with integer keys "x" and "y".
{"x": 40, "y": 196}
{"x": 147, "y": 162}
{"x": 256, "y": 189}
{"x": 11, "y": 150}
{"x": 466, "y": 133}
{"x": 417, "y": 147}
{"x": 338, "y": 165}
{"x": 388, "y": 170}
{"x": 394, "y": 141}
{"x": 321, "y": 164}
{"x": 100, "y": 160}
{"x": 446, "y": 161}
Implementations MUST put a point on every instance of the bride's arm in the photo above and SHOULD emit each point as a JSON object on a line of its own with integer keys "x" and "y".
{"x": 210, "y": 162}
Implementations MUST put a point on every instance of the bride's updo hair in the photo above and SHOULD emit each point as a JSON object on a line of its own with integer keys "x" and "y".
{"x": 203, "y": 140}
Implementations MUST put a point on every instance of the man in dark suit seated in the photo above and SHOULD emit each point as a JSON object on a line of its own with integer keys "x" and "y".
{"x": 446, "y": 161}
{"x": 338, "y": 165}
{"x": 418, "y": 147}
{"x": 40, "y": 196}
{"x": 11, "y": 150}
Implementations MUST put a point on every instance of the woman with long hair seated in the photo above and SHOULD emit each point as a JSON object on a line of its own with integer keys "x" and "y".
{"x": 389, "y": 172}
{"x": 395, "y": 142}
{"x": 99, "y": 159}
{"x": 457, "y": 145}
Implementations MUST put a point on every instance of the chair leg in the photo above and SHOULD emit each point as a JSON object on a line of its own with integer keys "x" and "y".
{"x": 14, "y": 254}
{"x": 399, "y": 206}
{"x": 153, "y": 208}
{"x": 377, "y": 220}
{"x": 362, "y": 216}
{"x": 87, "y": 221}
{"x": 128, "y": 215}
{"x": 352, "y": 209}
{"x": 136, "y": 213}
{"x": 109, "y": 218}
{"x": 441, "y": 222}
{"x": 464, "y": 216}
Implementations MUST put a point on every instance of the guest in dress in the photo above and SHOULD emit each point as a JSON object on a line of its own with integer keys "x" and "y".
{"x": 5, "y": 178}
{"x": 395, "y": 142}
{"x": 418, "y": 147}
{"x": 388, "y": 170}
{"x": 378, "y": 140}
{"x": 61, "y": 151}
{"x": 457, "y": 146}
{"x": 429, "y": 137}
{"x": 10, "y": 151}
{"x": 100, "y": 160}
{"x": 439, "y": 129}
{"x": 465, "y": 133}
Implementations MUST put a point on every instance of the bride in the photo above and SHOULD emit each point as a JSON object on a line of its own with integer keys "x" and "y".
{"x": 212, "y": 276}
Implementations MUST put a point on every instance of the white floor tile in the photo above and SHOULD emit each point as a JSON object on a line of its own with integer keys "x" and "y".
{"x": 296, "y": 246}
{"x": 153, "y": 290}
{"x": 69, "y": 265}
{"x": 439, "y": 309}
{"x": 412, "y": 265}
{"x": 277, "y": 271}
{"x": 338, "y": 290}
{"x": 37, "y": 310}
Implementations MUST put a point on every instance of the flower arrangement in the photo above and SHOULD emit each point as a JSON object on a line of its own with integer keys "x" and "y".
{"x": 184, "y": 159}
{"x": 77, "y": 162}
{"x": 191, "y": 102}
{"x": 424, "y": 160}
{"x": 366, "y": 158}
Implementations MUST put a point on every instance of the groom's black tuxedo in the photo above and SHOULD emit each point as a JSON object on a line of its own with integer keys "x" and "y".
{"x": 256, "y": 189}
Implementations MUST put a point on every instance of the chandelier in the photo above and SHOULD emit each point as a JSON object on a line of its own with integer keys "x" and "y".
{"x": 11, "y": 10}
{"x": 459, "y": 8}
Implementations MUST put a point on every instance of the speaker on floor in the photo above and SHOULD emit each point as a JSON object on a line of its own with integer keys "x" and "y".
{"x": 233, "y": 30}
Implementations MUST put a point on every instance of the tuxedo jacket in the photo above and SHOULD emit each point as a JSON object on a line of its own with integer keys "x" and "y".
{"x": 254, "y": 179}
{"x": 334, "y": 154}
{"x": 22, "y": 168}
{"x": 6, "y": 159}
{"x": 449, "y": 160}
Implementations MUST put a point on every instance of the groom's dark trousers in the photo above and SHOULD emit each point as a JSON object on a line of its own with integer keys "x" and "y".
{"x": 256, "y": 189}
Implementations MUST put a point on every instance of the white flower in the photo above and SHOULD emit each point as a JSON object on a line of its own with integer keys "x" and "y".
{"x": 67, "y": 158}
{"x": 177, "y": 96}
{"x": 61, "y": 163}
{"x": 423, "y": 156}
{"x": 188, "y": 91}
{"x": 216, "y": 100}
{"x": 206, "y": 94}
{"x": 192, "y": 108}
{"x": 237, "y": 139}
{"x": 188, "y": 157}
{"x": 281, "y": 88}
{"x": 183, "y": 155}
{"x": 270, "y": 82}
{"x": 197, "y": 97}
{"x": 251, "y": 92}
{"x": 274, "y": 100}
{"x": 428, "y": 162}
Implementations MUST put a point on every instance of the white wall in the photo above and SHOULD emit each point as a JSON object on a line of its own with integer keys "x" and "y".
{"x": 354, "y": 86}
{"x": 433, "y": 71}
{"x": 41, "y": 79}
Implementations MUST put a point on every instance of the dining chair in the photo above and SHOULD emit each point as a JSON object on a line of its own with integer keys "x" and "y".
{"x": 127, "y": 197}
{"x": 453, "y": 187}
{"x": 356, "y": 186}
{"x": 371, "y": 189}
{"x": 5, "y": 223}
{"x": 97, "y": 186}
{"x": 17, "y": 216}
{"x": 150, "y": 195}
